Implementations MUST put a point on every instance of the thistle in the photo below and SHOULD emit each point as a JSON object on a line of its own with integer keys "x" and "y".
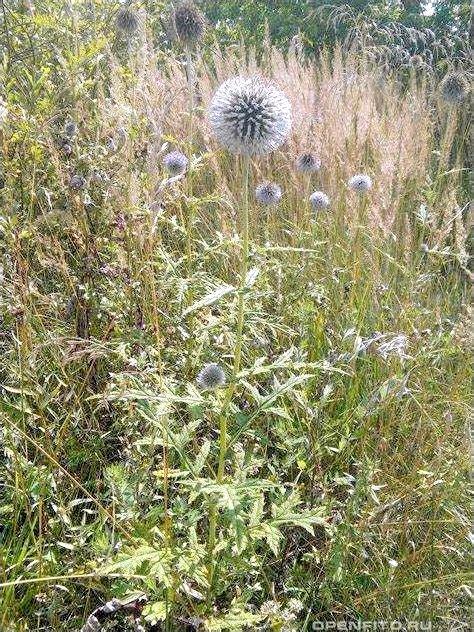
{"x": 318, "y": 200}
{"x": 189, "y": 23}
{"x": 175, "y": 163}
{"x": 455, "y": 88}
{"x": 70, "y": 129}
{"x": 268, "y": 193}
{"x": 126, "y": 21}
{"x": 360, "y": 183}
{"x": 249, "y": 116}
{"x": 308, "y": 163}
{"x": 77, "y": 182}
{"x": 211, "y": 376}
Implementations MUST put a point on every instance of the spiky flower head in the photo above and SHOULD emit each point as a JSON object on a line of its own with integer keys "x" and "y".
{"x": 77, "y": 182}
{"x": 360, "y": 183}
{"x": 189, "y": 23}
{"x": 70, "y": 129}
{"x": 308, "y": 163}
{"x": 250, "y": 115}
{"x": 126, "y": 20}
{"x": 175, "y": 163}
{"x": 455, "y": 88}
{"x": 268, "y": 193}
{"x": 318, "y": 200}
{"x": 211, "y": 376}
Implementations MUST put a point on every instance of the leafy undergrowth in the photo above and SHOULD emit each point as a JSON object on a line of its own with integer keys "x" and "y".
{"x": 344, "y": 493}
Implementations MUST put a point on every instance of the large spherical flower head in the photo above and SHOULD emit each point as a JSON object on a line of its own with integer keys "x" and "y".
{"x": 175, "y": 163}
{"x": 455, "y": 88}
{"x": 211, "y": 376}
{"x": 308, "y": 163}
{"x": 318, "y": 200}
{"x": 189, "y": 23}
{"x": 360, "y": 183}
{"x": 126, "y": 21}
{"x": 268, "y": 193}
{"x": 249, "y": 116}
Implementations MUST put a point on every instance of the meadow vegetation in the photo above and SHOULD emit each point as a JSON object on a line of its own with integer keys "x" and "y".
{"x": 326, "y": 477}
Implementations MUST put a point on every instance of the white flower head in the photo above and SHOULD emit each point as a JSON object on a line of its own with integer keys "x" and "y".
{"x": 268, "y": 193}
{"x": 361, "y": 183}
{"x": 249, "y": 115}
{"x": 318, "y": 200}
{"x": 308, "y": 163}
{"x": 211, "y": 376}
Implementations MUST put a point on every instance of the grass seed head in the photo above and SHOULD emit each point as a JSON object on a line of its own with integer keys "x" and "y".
{"x": 250, "y": 115}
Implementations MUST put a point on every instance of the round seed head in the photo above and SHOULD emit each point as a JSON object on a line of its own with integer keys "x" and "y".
{"x": 66, "y": 148}
{"x": 175, "y": 163}
{"x": 189, "y": 23}
{"x": 249, "y": 116}
{"x": 268, "y": 193}
{"x": 307, "y": 163}
{"x": 77, "y": 182}
{"x": 455, "y": 88}
{"x": 211, "y": 376}
{"x": 318, "y": 200}
{"x": 70, "y": 129}
{"x": 360, "y": 183}
{"x": 126, "y": 21}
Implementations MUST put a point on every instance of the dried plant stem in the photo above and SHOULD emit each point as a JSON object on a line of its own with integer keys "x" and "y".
{"x": 235, "y": 370}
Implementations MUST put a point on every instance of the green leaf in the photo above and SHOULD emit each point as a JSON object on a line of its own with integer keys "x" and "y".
{"x": 210, "y": 299}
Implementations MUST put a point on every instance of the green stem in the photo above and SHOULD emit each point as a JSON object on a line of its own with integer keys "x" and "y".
{"x": 236, "y": 368}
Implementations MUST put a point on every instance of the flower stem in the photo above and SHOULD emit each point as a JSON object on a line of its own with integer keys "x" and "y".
{"x": 235, "y": 370}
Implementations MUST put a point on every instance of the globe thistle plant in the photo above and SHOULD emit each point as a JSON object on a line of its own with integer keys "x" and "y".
{"x": 308, "y": 163}
{"x": 360, "y": 183}
{"x": 268, "y": 193}
{"x": 250, "y": 116}
{"x": 175, "y": 163}
{"x": 189, "y": 23}
{"x": 211, "y": 376}
{"x": 318, "y": 200}
{"x": 455, "y": 88}
{"x": 126, "y": 21}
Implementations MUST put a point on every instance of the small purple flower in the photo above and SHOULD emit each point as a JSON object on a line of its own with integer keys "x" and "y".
{"x": 175, "y": 163}
{"x": 211, "y": 376}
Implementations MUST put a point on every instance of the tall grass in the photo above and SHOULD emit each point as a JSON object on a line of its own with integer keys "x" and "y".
{"x": 343, "y": 481}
